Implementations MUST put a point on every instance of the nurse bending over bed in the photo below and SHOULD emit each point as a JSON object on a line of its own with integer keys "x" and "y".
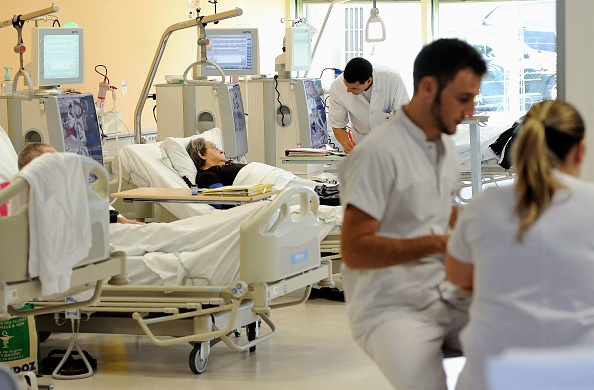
{"x": 526, "y": 250}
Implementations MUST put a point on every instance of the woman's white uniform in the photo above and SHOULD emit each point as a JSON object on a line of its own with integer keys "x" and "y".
{"x": 538, "y": 293}
{"x": 388, "y": 94}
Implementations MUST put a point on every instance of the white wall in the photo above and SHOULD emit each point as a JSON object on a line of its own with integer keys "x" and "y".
{"x": 576, "y": 77}
{"x": 123, "y": 35}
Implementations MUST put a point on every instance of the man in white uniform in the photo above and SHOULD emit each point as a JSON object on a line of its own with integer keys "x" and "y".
{"x": 365, "y": 96}
{"x": 397, "y": 190}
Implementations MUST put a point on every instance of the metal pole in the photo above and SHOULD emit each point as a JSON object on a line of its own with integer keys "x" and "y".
{"x": 157, "y": 59}
{"x": 31, "y": 15}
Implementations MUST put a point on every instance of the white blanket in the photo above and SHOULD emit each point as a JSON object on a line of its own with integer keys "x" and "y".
{"x": 257, "y": 173}
{"x": 497, "y": 124}
{"x": 8, "y": 158}
{"x": 142, "y": 164}
{"x": 205, "y": 245}
{"x": 59, "y": 220}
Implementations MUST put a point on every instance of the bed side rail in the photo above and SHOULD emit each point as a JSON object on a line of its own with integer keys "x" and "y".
{"x": 276, "y": 244}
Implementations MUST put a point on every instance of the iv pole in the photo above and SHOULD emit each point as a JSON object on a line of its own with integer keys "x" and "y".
{"x": 17, "y": 22}
{"x": 200, "y": 21}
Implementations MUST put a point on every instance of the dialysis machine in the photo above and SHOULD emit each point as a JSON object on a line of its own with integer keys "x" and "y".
{"x": 293, "y": 116}
{"x": 184, "y": 110}
{"x": 67, "y": 122}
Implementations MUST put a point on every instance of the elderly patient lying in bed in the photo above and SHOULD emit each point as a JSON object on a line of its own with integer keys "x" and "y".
{"x": 215, "y": 170}
{"x": 167, "y": 164}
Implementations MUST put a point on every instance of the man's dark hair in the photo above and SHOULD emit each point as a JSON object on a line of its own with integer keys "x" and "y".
{"x": 358, "y": 69}
{"x": 444, "y": 58}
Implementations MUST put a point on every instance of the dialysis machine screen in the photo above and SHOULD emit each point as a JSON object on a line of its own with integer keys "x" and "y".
{"x": 238, "y": 119}
{"x": 80, "y": 125}
{"x": 234, "y": 50}
{"x": 314, "y": 94}
{"x": 57, "y": 56}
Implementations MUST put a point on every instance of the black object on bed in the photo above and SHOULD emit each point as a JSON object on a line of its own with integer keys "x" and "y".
{"x": 503, "y": 145}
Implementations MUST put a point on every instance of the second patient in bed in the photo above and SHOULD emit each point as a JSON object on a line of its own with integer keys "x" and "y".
{"x": 36, "y": 149}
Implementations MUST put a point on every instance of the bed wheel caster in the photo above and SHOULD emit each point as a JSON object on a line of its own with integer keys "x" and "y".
{"x": 44, "y": 336}
{"x": 252, "y": 333}
{"x": 199, "y": 358}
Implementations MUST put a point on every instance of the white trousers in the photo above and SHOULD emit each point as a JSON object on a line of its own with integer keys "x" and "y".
{"x": 409, "y": 348}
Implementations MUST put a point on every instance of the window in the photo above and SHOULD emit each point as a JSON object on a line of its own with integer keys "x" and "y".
{"x": 344, "y": 37}
{"x": 517, "y": 40}
{"x": 353, "y": 33}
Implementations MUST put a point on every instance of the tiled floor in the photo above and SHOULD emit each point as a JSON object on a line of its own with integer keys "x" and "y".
{"x": 313, "y": 349}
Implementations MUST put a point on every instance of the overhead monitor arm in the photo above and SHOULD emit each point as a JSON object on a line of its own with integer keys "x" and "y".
{"x": 17, "y": 22}
{"x": 29, "y": 16}
{"x": 313, "y": 52}
{"x": 159, "y": 53}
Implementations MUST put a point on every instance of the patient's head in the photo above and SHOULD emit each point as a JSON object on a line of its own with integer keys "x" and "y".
{"x": 33, "y": 150}
{"x": 205, "y": 154}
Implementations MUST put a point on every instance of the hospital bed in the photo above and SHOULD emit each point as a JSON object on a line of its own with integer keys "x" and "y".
{"x": 279, "y": 253}
{"x": 20, "y": 283}
{"x": 478, "y": 164}
{"x": 22, "y": 277}
{"x": 145, "y": 165}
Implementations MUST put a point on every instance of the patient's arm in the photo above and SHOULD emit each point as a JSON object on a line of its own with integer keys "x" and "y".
{"x": 122, "y": 219}
{"x": 361, "y": 247}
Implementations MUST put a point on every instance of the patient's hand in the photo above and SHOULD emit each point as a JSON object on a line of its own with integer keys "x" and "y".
{"x": 130, "y": 221}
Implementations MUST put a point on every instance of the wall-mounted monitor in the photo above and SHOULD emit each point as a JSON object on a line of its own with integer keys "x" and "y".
{"x": 297, "y": 48}
{"x": 57, "y": 56}
{"x": 234, "y": 50}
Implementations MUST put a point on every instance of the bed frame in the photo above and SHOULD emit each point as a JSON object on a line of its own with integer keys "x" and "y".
{"x": 274, "y": 261}
{"x": 128, "y": 174}
{"x": 16, "y": 285}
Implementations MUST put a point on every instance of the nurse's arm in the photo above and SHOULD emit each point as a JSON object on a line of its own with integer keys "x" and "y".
{"x": 361, "y": 247}
{"x": 341, "y": 135}
{"x": 459, "y": 274}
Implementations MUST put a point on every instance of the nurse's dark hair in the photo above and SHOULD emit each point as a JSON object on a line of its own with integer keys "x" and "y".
{"x": 357, "y": 69}
{"x": 444, "y": 58}
{"x": 197, "y": 147}
{"x": 549, "y": 131}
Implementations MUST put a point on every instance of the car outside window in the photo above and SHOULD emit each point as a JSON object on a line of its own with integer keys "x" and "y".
{"x": 517, "y": 40}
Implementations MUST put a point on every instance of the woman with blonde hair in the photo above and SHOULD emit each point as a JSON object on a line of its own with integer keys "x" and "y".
{"x": 527, "y": 251}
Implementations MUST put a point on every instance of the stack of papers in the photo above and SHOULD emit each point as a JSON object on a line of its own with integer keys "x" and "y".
{"x": 309, "y": 152}
{"x": 247, "y": 190}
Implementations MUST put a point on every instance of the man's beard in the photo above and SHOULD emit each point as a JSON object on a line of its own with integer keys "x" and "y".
{"x": 436, "y": 115}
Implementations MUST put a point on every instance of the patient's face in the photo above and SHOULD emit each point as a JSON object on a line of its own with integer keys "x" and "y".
{"x": 214, "y": 155}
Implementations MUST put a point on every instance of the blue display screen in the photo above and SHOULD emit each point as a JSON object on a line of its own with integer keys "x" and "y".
{"x": 241, "y": 139}
{"x": 80, "y": 125}
{"x": 314, "y": 94}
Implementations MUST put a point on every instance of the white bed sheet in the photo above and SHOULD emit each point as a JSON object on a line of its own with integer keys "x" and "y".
{"x": 206, "y": 245}
{"x": 496, "y": 124}
{"x": 142, "y": 165}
